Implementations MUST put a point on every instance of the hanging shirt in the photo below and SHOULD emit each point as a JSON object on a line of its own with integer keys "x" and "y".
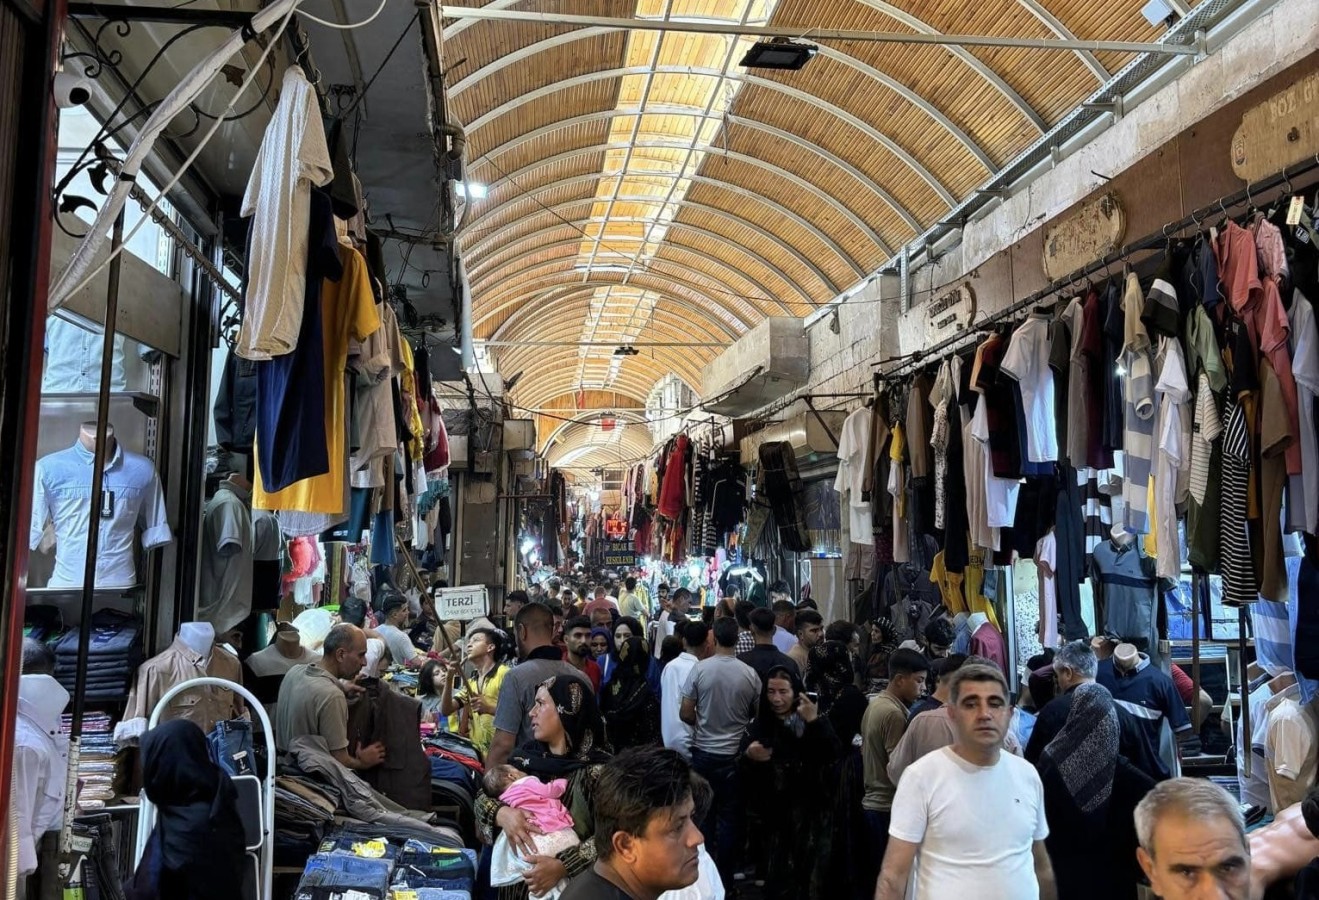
{"x": 1027, "y": 362}
{"x": 348, "y": 311}
{"x": 1000, "y": 493}
{"x": 293, "y": 157}
{"x": 1046, "y": 561}
{"x": 850, "y": 480}
{"x": 132, "y": 500}
{"x": 1076, "y": 444}
{"x": 1289, "y": 747}
{"x": 1138, "y": 414}
{"x": 1125, "y": 591}
{"x": 73, "y": 359}
{"x": 1172, "y": 461}
{"x": 225, "y": 589}
{"x": 897, "y": 488}
{"x": 1238, "y": 569}
{"x": 1303, "y": 498}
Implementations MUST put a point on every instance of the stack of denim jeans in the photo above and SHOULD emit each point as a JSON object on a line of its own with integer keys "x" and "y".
{"x": 114, "y": 653}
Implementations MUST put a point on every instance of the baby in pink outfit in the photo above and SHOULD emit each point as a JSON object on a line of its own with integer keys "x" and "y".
{"x": 543, "y": 805}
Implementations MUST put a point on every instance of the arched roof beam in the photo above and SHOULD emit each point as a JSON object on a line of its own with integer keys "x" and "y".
{"x": 659, "y": 110}
{"x": 983, "y": 69}
{"x": 837, "y": 112}
{"x": 697, "y": 289}
{"x": 1059, "y": 30}
{"x": 559, "y": 209}
{"x": 779, "y": 171}
{"x": 888, "y": 81}
{"x": 586, "y": 419}
{"x": 665, "y": 326}
{"x": 556, "y": 368}
{"x": 713, "y": 260}
{"x": 682, "y": 302}
{"x": 915, "y": 23}
{"x": 775, "y": 206}
{"x": 695, "y": 229}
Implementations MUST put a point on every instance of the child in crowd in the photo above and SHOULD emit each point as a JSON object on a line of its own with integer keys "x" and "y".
{"x": 543, "y": 804}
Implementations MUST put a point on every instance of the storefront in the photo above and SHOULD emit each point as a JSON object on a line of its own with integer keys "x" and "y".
{"x": 336, "y": 314}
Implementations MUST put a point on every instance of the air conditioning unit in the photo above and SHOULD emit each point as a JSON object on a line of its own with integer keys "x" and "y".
{"x": 769, "y": 361}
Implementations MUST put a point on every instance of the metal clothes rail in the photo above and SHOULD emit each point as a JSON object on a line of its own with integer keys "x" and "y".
{"x": 909, "y": 363}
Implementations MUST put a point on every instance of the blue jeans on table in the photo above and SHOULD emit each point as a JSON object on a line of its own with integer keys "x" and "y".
{"x": 722, "y": 825}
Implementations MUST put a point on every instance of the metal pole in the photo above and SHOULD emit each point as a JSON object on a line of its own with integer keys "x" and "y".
{"x": 711, "y": 26}
{"x": 1196, "y": 582}
{"x": 1244, "y": 689}
{"x": 421, "y": 586}
{"x": 99, "y": 455}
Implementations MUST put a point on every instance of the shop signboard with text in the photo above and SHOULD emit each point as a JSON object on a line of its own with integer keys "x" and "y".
{"x": 620, "y": 555}
{"x": 461, "y": 603}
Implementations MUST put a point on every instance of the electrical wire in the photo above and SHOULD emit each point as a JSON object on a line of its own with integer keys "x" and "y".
{"x": 384, "y": 62}
{"x": 351, "y": 25}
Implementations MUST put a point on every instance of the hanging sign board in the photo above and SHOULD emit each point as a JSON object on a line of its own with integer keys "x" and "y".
{"x": 615, "y": 528}
{"x": 950, "y": 314}
{"x": 460, "y": 604}
{"x": 620, "y": 555}
{"x": 1090, "y": 232}
{"x": 1281, "y": 131}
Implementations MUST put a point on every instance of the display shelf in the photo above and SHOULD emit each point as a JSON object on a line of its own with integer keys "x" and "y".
{"x": 145, "y": 403}
{"x": 51, "y": 593}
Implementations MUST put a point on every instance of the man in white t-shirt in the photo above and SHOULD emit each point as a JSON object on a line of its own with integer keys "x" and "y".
{"x": 970, "y": 817}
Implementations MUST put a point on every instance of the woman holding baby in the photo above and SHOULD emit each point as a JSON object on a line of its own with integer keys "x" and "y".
{"x": 543, "y": 833}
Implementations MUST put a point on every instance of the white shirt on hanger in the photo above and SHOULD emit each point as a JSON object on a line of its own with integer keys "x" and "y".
{"x": 293, "y": 156}
{"x": 851, "y": 476}
{"x": 1027, "y": 362}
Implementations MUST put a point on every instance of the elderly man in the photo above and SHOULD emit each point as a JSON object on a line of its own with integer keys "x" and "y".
{"x": 1193, "y": 842}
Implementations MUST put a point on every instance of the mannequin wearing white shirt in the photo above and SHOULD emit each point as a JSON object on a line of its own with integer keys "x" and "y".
{"x": 199, "y": 636}
{"x": 87, "y": 437}
{"x": 41, "y": 760}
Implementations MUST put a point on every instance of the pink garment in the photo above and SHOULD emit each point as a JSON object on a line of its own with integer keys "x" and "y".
{"x": 987, "y": 642}
{"x": 540, "y": 801}
{"x": 606, "y": 603}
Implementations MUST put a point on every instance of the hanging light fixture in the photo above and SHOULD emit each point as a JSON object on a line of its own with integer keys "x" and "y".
{"x": 779, "y": 53}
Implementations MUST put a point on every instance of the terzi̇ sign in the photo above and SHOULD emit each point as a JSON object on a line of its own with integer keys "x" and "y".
{"x": 620, "y": 554}
{"x": 461, "y": 603}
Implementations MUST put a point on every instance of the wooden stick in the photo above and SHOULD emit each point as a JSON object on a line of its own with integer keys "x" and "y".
{"x": 421, "y": 586}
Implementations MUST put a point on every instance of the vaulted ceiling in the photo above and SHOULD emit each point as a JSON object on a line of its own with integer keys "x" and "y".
{"x": 644, "y": 188}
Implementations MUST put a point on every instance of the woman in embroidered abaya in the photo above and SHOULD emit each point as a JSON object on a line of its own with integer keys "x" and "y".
{"x": 569, "y": 743}
{"x": 631, "y": 709}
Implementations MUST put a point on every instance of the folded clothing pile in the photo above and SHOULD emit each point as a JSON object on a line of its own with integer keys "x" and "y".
{"x": 114, "y": 653}
{"x": 101, "y": 765}
{"x": 351, "y": 864}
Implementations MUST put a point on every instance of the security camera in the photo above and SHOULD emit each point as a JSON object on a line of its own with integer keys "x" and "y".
{"x": 71, "y": 90}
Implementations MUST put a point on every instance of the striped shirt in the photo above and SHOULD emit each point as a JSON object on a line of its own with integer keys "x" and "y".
{"x": 1138, "y": 419}
{"x": 1239, "y": 584}
{"x": 1205, "y": 429}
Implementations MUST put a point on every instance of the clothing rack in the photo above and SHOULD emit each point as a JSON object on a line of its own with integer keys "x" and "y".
{"x": 1152, "y": 241}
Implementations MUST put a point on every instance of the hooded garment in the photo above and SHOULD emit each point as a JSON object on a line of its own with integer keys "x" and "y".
{"x": 196, "y": 851}
{"x": 41, "y": 763}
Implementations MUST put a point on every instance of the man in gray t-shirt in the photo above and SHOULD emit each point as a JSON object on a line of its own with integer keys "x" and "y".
{"x": 534, "y": 628}
{"x": 719, "y": 701}
{"x": 395, "y": 610}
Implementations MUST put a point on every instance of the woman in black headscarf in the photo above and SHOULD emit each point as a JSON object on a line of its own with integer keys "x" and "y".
{"x": 196, "y": 849}
{"x": 1090, "y": 793}
{"x": 882, "y": 644}
{"x": 831, "y": 673}
{"x": 569, "y": 743}
{"x": 791, "y": 750}
{"x": 631, "y": 710}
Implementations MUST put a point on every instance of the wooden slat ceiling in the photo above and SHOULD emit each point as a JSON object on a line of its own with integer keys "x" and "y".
{"x": 644, "y": 188}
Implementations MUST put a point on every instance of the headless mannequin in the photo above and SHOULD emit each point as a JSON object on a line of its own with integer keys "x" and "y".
{"x": 1120, "y": 536}
{"x": 87, "y": 437}
{"x": 199, "y": 637}
{"x": 1126, "y": 656}
{"x": 289, "y": 644}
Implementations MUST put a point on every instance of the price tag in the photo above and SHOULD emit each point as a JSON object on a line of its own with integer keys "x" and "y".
{"x": 370, "y": 849}
{"x": 405, "y": 895}
{"x": 1294, "y": 210}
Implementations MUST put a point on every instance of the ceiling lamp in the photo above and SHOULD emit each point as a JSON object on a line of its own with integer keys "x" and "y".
{"x": 779, "y": 53}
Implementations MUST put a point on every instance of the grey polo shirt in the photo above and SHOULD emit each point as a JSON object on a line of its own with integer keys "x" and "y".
{"x": 518, "y": 694}
{"x": 311, "y": 702}
{"x": 726, "y": 691}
